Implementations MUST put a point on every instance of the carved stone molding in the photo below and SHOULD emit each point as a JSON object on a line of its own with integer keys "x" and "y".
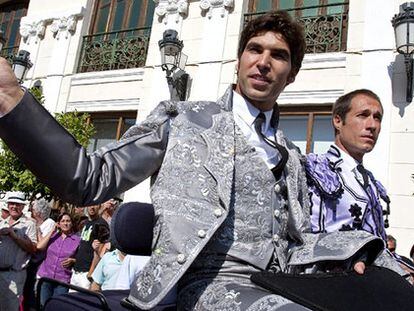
{"x": 64, "y": 26}
{"x": 33, "y": 29}
{"x": 176, "y": 8}
{"x": 62, "y": 23}
{"x": 222, "y": 5}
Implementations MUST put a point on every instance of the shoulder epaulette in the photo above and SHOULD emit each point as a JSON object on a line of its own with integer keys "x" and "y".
{"x": 322, "y": 174}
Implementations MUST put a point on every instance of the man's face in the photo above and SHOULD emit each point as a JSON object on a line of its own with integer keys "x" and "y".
{"x": 391, "y": 245}
{"x": 264, "y": 69}
{"x": 358, "y": 133}
{"x": 79, "y": 210}
{"x": 109, "y": 206}
{"x": 4, "y": 214}
{"x": 15, "y": 209}
{"x": 93, "y": 210}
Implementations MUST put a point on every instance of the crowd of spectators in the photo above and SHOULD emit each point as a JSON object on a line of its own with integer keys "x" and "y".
{"x": 72, "y": 246}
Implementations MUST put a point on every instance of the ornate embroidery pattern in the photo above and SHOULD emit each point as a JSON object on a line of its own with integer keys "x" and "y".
{"x": 269, "y": 303}
{"x": 338, "y": 245}
{"x": 236, "y": 295}
{"x": 322, "y": 175}
{"x": 356, "y": 212}
{"x": 209, "y": 296}
{"x": 247, "y": 230}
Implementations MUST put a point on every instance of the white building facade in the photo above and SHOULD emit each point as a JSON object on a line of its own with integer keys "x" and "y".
{"x": 102, "y": 57}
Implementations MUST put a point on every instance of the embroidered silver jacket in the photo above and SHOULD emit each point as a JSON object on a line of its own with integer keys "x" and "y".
{"x": 189, "y": 149}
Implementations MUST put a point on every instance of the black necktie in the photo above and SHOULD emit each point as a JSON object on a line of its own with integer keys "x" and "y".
{"x": 364, "y": 174}
{"x": 258, "y": 124}
{"x": 373, "y": 199}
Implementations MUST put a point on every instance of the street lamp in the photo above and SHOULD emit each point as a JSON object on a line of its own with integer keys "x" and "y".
{"x": 403, "y": 24}
{"x": 173, "y": 63}
{"x": 21, "y": 65}
{"x": 2, "y": 40}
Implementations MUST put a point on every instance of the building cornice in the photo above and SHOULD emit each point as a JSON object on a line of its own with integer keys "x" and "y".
{"x": 176, "y": 8}
{"x": 63, "y": 23}
{"x": 220, "y": 6}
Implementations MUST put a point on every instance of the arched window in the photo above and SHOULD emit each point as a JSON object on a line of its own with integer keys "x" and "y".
{"x": 119, "y": 35}
{"x": 325, "y": 21}
{"x": 10, "y": 15}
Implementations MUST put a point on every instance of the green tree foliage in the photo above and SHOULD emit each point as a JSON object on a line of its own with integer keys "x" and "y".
{"x": 15, "y": 176}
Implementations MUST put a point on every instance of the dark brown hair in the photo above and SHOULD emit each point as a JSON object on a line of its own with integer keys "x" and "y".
{"x": 63, "y": 214}
{"x": 279, "y": 22}
{"x": 71, "y": 219}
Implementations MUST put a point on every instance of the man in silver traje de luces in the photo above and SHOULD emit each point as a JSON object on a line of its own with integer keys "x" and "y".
{"x": 229, "y": 190}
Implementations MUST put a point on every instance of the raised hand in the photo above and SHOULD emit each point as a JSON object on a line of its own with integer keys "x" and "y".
{"x": 10, "y": 91}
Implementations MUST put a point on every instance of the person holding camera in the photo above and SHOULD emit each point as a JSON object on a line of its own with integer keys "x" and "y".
{"x": 95, "y": 231}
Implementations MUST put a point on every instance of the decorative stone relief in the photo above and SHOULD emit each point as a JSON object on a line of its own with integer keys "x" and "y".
{"x": 64, "y": 26}
{"x": 33, "y": 29}
{"x": 62, "y": 23}
{"x": 171, "y": 7}
{"x": 222, "y": 5}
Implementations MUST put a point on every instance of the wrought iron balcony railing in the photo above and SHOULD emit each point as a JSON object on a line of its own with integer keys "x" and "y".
{"x": 114, "y": 50}
{"x": 9, "y": 52}
{"x": 325, "y": 26}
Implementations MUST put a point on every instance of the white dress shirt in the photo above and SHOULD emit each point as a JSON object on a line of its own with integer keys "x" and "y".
{"x": 244, "y": 115}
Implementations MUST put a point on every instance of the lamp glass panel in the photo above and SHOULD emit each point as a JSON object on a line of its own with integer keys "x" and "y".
{"x": 411, "y": 38}
{"x": 183, "y": 61}
{"x": 162, "y": 50}
{"x": 19, "y": 71}
{"x": 171, "y": 49}
{"x": 170, "y": 61}
{"x": 401, "y": 37}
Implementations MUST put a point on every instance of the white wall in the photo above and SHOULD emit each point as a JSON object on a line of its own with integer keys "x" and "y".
{"x": 401, "y": 148}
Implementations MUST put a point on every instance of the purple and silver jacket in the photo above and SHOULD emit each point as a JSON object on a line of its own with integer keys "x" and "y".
{"x": 339, "y": 200}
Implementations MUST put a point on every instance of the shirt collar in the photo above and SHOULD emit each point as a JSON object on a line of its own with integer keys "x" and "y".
{"x": 346, "y": 158}
{"x": 20, "y": 219}
{"x": 247, "y": 112}
{"x": 71, "y": 236}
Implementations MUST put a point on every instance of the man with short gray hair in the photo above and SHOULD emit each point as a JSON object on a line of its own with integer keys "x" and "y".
{"x": 17, "y": 242}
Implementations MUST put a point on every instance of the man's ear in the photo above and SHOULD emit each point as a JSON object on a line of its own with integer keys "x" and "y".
{"x": 337, "y": 122}
{"x": 291, "y": 78}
